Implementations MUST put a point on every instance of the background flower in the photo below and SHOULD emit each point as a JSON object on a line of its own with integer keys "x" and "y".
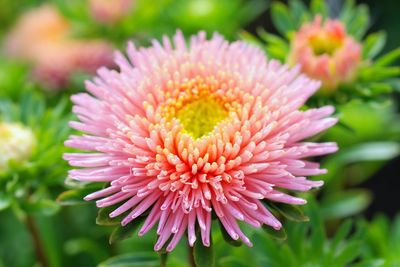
{"x": 325, "y": 52}
{"x": 105, "y": 11}
{"x": 30, "y": 139}
{"x": 349, "y": 66}
{"x": 43, "y": 38}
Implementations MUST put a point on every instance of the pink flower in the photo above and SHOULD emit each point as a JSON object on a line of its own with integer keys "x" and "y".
{"x": 42, "y": 38}
{"x": 110, "y": 11}
{"x": 326, "y": 53}
{"x": 184, "y": 130}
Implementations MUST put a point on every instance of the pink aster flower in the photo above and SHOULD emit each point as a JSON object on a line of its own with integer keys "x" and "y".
{"x": 42, "y": 38}
{"x": 325, "y": 52}
{"x": 110, "y": 11}
{"x": 184, "y": 130}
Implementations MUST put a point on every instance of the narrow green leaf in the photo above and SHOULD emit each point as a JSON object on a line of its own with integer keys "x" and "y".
{"x": 272, "y": 39}
{"x": 124, "y": 232}
{"x": 341, "y": 234}
{"x": 374, "y": 44}
{"x": 203, "y": 256}
{"x": 370, "y": 152}
{"x": 345, "y": 203}
{"x": 347, "y": 254}
{"x": 73, "y": 197}
{"x": 388, "y": 58}
{"x": 290, "y": 212}
{"x": 281, "y": 18}
{"x": 377, "y": 73}
{"x": 370, "y": 263}
{"x": 318, "y": 7}
{"x": 276, "y": 234}
{"x": 347, "y": 11}
{"x": 394, "y": 84}
{"x": 138, "y": 259}
{"x": 44, "y": 206}
{"x": 5, "y": 201}
{"x": 231, "y": 261}
{"x": 298, "y": 11}
{"x": 250, "y": 38}
{"x": 359, "y": 23}
{"x": 103, "y": 217}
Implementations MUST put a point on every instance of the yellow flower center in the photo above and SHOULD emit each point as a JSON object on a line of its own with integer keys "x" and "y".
{"x": 200, "y": 116}
{"x": 324, "y": 44}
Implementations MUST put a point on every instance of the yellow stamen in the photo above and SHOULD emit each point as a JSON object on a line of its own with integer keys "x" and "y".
{"x": 325, "y": 44}
{"x": 200, "y": 116}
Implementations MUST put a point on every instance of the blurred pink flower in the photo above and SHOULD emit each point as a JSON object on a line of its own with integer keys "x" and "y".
{"x": 110, "y": 11}
{"x": 42, "y": 38}
{"x": 186, "y": 130}
{"x": 326, "y": 53}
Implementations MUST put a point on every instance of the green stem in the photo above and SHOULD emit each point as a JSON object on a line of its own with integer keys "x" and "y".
{"x": 163, "y": 259}
{"x": 192, "y": 263}
{"x": 37, "y": 241}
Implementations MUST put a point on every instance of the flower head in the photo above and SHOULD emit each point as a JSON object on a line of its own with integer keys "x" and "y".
{"x": 16, "y": 143}
{"x": 31, "y": 136}
{"x": 326, "y": 52}
{"x": 109, "y": 12}
{"x": 42, "y": 38}
{"x": 185, "y": 130}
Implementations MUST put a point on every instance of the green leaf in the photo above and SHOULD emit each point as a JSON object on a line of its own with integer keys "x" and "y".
{"x": 394, "y": 84}
{"x": 5, "y": 201}
{"x": 389, "y": 58}
{"x": 103, "y": 217}
{"x": 298, "y": 12}
{"x": 281, "y": 18}
{"x": 370, "y": 263}
{"x": 276, "y": 234}
{"x": 318, "y": 7}
{"x": 250, "y": 38}
{"x": 290, "y": 212}
{"x": 138, "y": 259}
{"x": 376, "y": 88}
{"x": 377, "y": 73}
{"x": 276, "y": 46}
{"x": 347, "y": 254}
{"x": 231, "y": 261}
{"x": 341, "y": 234}
{"x": 124, "y": 232}
{"x": 359, "y": 22}
{"x": 44, "y": 206}
{"x": 73, "y": 197}
{"x": 345, "y": 203}
{"x": 347, "y": 11}
{"x": 371, "y": 152}
{"x": 374, "y": 44}
{"x": 203, "y": 256}
{"x": 273, "y": 39}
